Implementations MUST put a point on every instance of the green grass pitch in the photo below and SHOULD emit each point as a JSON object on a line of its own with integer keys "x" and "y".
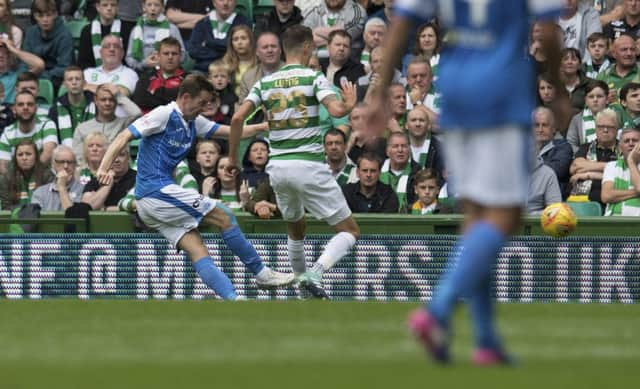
{"x": 207, "y": 344}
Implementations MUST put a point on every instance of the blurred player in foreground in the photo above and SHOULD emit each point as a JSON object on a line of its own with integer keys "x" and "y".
{"x": 167, "y": 133}
{"x": 296, "y": 168}
{"x": 487, "y": 144}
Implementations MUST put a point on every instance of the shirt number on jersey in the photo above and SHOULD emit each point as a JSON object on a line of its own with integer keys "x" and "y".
{"x": 478, "y": 11}
{"x": 278, "y": 102}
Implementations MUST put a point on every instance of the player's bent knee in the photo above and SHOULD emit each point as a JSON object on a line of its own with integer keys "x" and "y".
{"x": 223, "y": 217}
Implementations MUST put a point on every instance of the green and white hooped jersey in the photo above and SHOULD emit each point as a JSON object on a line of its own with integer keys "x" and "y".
{"x": 292, "y": 98}
{"x": 44, "y": 131}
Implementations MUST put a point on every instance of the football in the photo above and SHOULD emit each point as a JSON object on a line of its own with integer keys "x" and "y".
{"x": 558, "y": 220}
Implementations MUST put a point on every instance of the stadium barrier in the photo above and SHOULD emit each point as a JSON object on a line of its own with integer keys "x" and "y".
{"x": 389, "y": 267}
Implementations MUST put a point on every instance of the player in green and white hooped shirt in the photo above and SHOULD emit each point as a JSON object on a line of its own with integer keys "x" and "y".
{"x": 28, "y": 125}
{"x": 296, "y": 168}
{"x": 621, "y": 178}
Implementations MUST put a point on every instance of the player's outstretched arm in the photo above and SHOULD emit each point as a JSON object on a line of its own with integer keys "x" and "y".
{"x": 235, "y": 133}
{"x": 119, "y": 143}
{"x": 339, "y": 108}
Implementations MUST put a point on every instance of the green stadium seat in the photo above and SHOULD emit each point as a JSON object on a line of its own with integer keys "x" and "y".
{"x": 585, "y": 208}
{"x": 261, "y": 7}
{"x": 245, "y": 7}
{"x": 45, "y": 90}
{"x": 75, "y": 27}
{"x": 62, "y": 90}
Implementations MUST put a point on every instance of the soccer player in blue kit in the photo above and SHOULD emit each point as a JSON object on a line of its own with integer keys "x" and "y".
{"x": 487, "y": 99}
{"x": 167, "y": 133}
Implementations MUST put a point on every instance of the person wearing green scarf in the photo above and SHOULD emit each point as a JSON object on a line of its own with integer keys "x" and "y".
{"x": 621, "y": 178}
{"x": 106, "y": 22}
{"x": 151, "y": 28}
{"x": 73, "y": 107}
{"x": 426, "y": 150}
{"x": 399, "y": 171}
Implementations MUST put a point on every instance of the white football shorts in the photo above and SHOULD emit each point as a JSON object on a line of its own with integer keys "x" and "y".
{"x": 173, "y": 211}
{"x": 309, "y": 185}
{"x": 491, "y": 166}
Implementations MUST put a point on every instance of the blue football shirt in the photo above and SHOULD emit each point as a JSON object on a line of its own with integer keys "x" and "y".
{"x": 484, "y": 76}
{"x": 166, "y": 140}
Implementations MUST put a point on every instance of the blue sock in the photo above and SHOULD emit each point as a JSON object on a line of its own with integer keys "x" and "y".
{"x": 240, "y": 246}
{"x": 480, "y": 246}
{"x": 481, "y": 308}
{"x": 214, "y": 278}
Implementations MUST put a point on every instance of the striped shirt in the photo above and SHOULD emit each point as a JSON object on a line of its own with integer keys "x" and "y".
{"x": 43, "y": 131}
{"x": 292, "y": 98}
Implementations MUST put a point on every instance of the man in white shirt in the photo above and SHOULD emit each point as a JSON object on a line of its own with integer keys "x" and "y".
{"x": 112, "y": 70}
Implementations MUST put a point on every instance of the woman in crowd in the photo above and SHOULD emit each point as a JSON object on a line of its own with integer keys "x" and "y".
{"x": 94, "y": 147}
{"x": 241, "y": 54}
{"x": 26, "y": 173}
{"x": 7, "y": 24}
{"x": 427, "y": 45}
{"x": 226, "y": 186}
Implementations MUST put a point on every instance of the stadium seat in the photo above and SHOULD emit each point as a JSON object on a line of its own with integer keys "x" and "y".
{"x": 75, "y": 28}
{"x": 245, "y": 7}
{"x": 62, "y": 90}
{"x": 262, "y": 7}
{"x": 45, "y": 92}
{"x": 585, "y": 208}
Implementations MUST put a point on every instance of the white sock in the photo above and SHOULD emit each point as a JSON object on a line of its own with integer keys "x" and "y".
{"x": 338, "y": 247}
{"x": 295, "y": 249}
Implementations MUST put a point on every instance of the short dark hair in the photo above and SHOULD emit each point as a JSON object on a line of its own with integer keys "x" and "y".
{"x": 631, "y": 86}
{"x": 341, "y": 33}
{"x": 596, "y": 36}
{"x": 170, "y": 41}
{"x": 369, "y": 156}
{"x": 25, "y": 92}
{"x": 593, "y": 84}
{"x": 295, "y": 37}
{"x": 26, "y": 76}
{"x": 334, "y": 132}
{"x": 194, "y": 84}
{"x": 72, "y": 68}
{"x": 427, "y": 174}
{"x": 41, "y": 6}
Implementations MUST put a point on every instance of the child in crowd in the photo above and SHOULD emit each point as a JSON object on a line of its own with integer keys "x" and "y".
{"x": 93, "y": 150}
{"x": 427, "y": 187}
{"x": 208, "y": 152}
{"x": 73, "y": 107}
{"x": 150, "y": 29}
{"x": 220, "y": 76}
{"x": 241, "y": 54}
{"x": 106, "y": 22}
{"x": 254, "y": 162}
{"x": 50, "y": 40}
{"x": 7, "y": 24}
{"x": 597, "y": 61}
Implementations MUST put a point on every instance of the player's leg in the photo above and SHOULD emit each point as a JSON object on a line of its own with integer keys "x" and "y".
{"x": 211, "y": 275}
{"x": 494, "y": 195}
{"x": 295, "y": 246}
{"x": 347, "y": 233}
{"x": 323, "y": 198}
{"x": 222, "y": 217}
{"x": 175, "y": 213}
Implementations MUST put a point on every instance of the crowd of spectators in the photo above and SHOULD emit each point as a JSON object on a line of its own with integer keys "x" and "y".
{"x": 131, "y": 57}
